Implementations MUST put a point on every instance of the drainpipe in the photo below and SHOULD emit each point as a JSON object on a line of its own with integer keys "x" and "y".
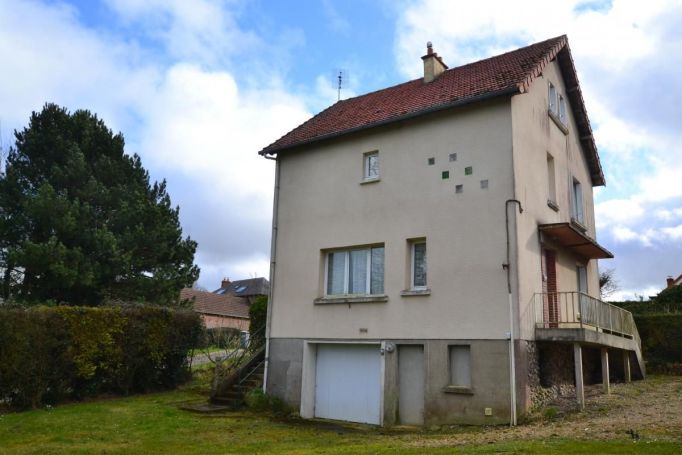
{"x": 273, "y": 247}
{"x": 512, "y": 363}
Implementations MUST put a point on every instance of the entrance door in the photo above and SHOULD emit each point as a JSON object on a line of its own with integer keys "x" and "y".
{"x": 549, "y": 289}
{"x": 348, "y": 382}
{"x": 411, "y": 384}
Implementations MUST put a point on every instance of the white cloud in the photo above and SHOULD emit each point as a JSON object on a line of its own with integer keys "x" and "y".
{"x": 178, "y": 103}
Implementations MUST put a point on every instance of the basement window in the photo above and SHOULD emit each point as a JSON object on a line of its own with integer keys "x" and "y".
{"x": 459, "y": 357}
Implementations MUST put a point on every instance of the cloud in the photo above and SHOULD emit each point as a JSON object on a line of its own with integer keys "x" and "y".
{"x": 629, "y": 57}
{"x": 172, "y": 87}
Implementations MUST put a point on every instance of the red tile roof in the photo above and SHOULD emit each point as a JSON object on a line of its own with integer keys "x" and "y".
{"x": 505, "y": 74}
{"x": 216, "y": 304}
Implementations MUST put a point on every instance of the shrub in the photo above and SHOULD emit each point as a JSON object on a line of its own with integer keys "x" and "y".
{"x": 258, "y": 312}
{"x": 259, "y": 401}
{"x": 48, "y": 354}
{"x": 661, "y": 340}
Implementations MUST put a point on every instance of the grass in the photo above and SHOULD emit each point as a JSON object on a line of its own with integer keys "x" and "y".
{"x": 154, "y": 423}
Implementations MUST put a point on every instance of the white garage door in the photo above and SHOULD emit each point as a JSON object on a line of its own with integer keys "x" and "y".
{"x": 348, "y": 382}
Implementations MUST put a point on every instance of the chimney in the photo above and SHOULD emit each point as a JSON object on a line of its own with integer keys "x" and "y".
{"x": 433, "y": 64}
{"x": 670, "y": 282}
{"x": 225, "y": 283}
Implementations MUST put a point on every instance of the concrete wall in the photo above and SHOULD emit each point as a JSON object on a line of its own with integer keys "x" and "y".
{"x": 323, "y": 204}
{"x": 536, "y": 135}
{"x": 489, "y": 365}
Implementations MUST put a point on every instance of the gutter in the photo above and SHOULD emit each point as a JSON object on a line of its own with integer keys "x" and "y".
{"x": 441, "y": 107}
{"x": 273, "y": 262}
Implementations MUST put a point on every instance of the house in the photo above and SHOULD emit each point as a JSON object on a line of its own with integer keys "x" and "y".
{"x": 250, "y": 288}
{"x": 219, "y": 311}
{"x": 434, "y": 253}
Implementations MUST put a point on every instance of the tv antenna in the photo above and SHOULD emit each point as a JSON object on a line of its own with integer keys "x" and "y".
{"x": 340, "y": 79}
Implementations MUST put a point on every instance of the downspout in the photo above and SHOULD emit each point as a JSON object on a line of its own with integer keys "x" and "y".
{"x": 273, "y": 262}
{"x": 512, "y": 363}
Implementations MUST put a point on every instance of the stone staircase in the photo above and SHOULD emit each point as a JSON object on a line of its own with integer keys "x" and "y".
{"x": 233, "y": 390}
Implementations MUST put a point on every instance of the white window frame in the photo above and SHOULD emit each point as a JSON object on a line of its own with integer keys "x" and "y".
{"x": 346, "y": 265}
{"x": 552, "y": 99}
{"x": 577, "y": 201}
{"x": 413, "y": 258}
{"x": 367, "y": 168}
{"x": 551, "y": 178}
{"x": 562, "y": 109}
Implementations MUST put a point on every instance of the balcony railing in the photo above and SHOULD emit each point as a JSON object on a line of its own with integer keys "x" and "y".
{"x": 573, "y": 310}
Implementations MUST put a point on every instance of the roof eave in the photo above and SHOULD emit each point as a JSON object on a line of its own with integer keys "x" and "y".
{"x": 267, "y": 151}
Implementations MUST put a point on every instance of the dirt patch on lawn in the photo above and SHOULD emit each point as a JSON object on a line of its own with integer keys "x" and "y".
{"x": 644, "y": 410}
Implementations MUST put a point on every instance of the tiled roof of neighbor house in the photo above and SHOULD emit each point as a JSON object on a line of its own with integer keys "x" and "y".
{"x": 246, "y": 288}
{"x": 505, "y": 74}
{"x": 221, "y": 305}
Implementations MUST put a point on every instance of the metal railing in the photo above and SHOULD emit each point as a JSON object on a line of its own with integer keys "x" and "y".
{"x": 579, "y": 310}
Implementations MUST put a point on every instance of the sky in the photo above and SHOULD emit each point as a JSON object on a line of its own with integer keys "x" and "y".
{"x": 199, "y": 87}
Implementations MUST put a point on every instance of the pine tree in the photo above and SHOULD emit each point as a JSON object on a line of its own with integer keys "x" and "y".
{"x": 80, "y": 222}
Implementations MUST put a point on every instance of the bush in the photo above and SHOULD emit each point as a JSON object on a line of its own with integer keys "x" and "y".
{"x": 258, "y": 313}
{"x": 218, "y": 337}
{"x": 259, "y": 401}
{"x": 49, "y": 354}
{"x": 661, "y": 340}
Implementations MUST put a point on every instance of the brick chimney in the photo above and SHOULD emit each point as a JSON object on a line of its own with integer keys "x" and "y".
{"x": 670, "y": 282}
{"x": 433, "y": 64}
{"x": 225, "y": 283}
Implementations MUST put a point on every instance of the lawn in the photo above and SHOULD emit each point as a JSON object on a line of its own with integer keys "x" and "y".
{"x": 155, "y": 423}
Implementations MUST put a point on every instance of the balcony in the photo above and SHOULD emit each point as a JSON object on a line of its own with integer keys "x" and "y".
{"x": 578, "y": 317}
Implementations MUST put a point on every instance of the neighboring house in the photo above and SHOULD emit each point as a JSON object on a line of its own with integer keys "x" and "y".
{"x": 400, "y": 253}
{"x": 670, "y": 281}
{"x": 249, "y": 288}
{"x": 219, "y": 310}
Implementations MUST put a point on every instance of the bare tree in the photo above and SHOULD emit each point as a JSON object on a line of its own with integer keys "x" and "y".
{"x": 608, "y": 283}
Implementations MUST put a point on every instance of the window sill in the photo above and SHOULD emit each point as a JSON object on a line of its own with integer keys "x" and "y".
{"x": 415, "y": 292}
{"x": 558, "y": 122}
{"x": 579, "y": 225}
{"x": 458, "y": 389}
{"x": 371, "y": 180}
{"x": 552, "y": 205}
{"x": 351, "y": 299}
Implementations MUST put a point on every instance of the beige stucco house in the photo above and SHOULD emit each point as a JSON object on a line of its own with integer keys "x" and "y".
{"x": 419, "y": 228}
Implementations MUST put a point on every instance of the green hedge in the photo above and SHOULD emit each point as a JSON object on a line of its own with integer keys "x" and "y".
{"x": 661, "y": 341}
{"x": 51, "y": 354}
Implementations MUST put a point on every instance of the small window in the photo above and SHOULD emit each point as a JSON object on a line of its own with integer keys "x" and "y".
{"x": 445, "y": 175}
{"x": 356, "y": 272}
{"x": 468, "y": 170}
{"x": 453, "y": 157}
{"x": 551, "y": 183}
{"x": 552, "y": 99}
{"x": 431, "y": 161}
{"x": 418, "y": 265}
{"x": 459, "y": 189}
{"x": 581, "y": 272}
{"x": 460, "y": 366}
{"x": 577, "y": 202}
{"x": 371, "y": 165}
{"x": 484, "y": 184}
{"x": 562, "y": 110}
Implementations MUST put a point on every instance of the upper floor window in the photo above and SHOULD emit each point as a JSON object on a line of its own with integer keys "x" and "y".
{"x": 418, "y": 265}
{"x": 577, "y": 202}
{"x": 551, "y": 183}
{"x": 552, "y": 99}
{"x": 371, "y": 166}
{"x": 562, "y": 109}
{"x": 357, "y": 271}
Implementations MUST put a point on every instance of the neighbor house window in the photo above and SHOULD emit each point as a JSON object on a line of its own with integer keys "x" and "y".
{"x": 552, "y": 99}
{"x": 371, "y": 166}
{"x": 356, "y": 271}
{"x": 577, "y": 202}
{"x": 460, "y": 366}
{"x": 418, "y": 272}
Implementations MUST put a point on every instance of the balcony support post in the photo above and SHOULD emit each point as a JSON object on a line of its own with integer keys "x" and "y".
{"x": 605, "y": 370}
{"x": 626, "y": 366}
{"x": 579, "y": 383}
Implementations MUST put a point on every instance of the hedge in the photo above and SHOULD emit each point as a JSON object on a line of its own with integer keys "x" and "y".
{"x": 661, "y": 341}
{"x": 52, "y": 354}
